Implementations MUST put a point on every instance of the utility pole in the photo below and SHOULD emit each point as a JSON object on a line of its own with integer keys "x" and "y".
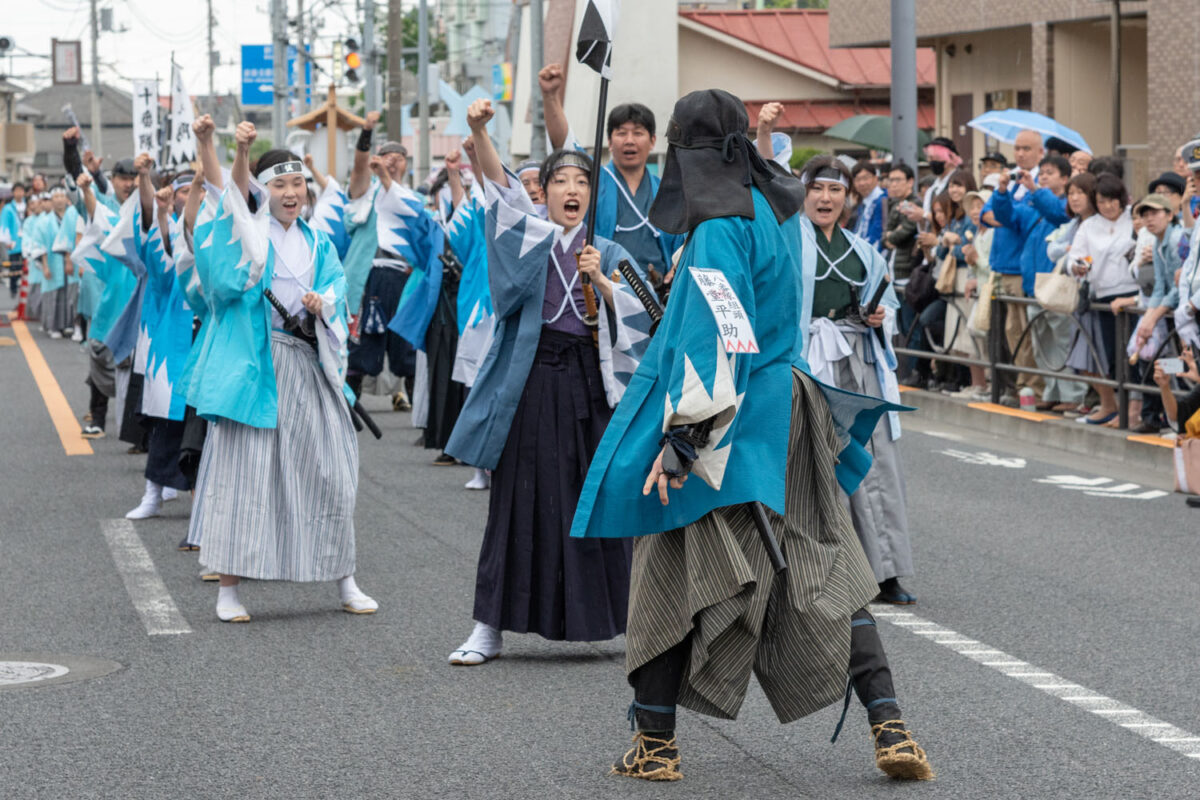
{"x": 537, "y": 142}
{"x": 423, "y": 91}
{"x": 212, "y": 53}
{"x": 279, "y": 46}
{"x": 395, "y": 68}
{"x": 97, "y": 124}
{"x": 1115, "y": 72}
{"x": 302, "y": 67}
{"x": 904, "y": 82}
{"x": 370, "y": 59}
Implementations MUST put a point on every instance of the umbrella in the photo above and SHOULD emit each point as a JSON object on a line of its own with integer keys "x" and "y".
{"x": 870, "y": 130}
{"x": 1005, "y": 125}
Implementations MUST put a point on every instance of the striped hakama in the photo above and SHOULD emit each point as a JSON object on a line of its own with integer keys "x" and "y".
{"x": 278, "y": 503}
{"x": 712, "y": 582}
{"x": 54, "y": 310}
{"x": 33, "y": 301}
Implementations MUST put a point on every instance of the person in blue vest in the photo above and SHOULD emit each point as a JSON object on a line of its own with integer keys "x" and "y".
{"x": 627, "y": 188}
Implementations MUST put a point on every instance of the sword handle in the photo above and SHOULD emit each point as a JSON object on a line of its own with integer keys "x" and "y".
{"x": 591, "y": 312}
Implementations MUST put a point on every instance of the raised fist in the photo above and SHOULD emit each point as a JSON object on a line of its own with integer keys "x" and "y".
{"x": 203, "y": 128}
{"x": 768, "y": 115}
{"x": 245, "y": 134}
{"x": 83, "y": 181}
{"x": 91, "y": 161}
{"x": 552, "y": 79}
{"x": 453, "y": 159}
{"x": 308, "y": 161}
{"x": 198, "y": 178}
{"x": 143, "y": 163}
{"x": 71, "y": 134}
{"x": 480, "y": 114}
{"x": 376, "y": 165}
{"x": 372, "y": 121}
{"x": 468, "y": 147}
{"x": 162, "y": 198}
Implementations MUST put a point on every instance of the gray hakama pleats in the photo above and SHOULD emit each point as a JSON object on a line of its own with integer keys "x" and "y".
{"x": 278, "y": 503}
{"x": 54, "y": 310}
{"x": 123, "y": 374}
{"x": 72, "y": 302}
{"x": 713, "y": 580}
{"x": 879, "y": 508}
{"x": 33, "y": 302}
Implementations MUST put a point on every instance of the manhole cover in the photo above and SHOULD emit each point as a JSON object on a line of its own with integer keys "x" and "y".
{"x": 26, "y": 670}
{"x": 14, "y": 673}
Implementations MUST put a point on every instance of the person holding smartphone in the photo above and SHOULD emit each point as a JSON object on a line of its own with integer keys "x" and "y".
{"x": 1182, "y": 412}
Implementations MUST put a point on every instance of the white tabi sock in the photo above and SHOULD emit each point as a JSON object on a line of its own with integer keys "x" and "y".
{"x": 353, "y": 598}
{"x": 169, "y": 494}
{"x": 484, "y": 644}
{"x": 151, "y": 502}
{"x": 229, "y": 607}
{"x": 481, "y": 480}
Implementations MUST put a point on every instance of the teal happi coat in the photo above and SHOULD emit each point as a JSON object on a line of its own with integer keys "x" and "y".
{"x": 694, "y": 371}
{"x": 113, "y": 285}
{"x": 234, "y": 373}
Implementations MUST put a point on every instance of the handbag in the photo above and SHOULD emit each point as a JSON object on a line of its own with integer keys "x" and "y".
{"x": 920, "y": 290}
{"x": 948, "y": 277}
{"x": 1187, "y": 466}
{"x": 981, "y": 317}
{"x": 1056, "y": 290}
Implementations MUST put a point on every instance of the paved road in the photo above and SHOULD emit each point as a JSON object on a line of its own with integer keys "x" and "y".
{"x": 1091, "y": 591}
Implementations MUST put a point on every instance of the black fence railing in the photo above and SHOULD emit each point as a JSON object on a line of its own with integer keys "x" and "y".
{"x": 998, "y": 358}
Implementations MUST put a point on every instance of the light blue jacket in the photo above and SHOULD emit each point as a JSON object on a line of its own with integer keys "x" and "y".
{"x": 234, "y": 375}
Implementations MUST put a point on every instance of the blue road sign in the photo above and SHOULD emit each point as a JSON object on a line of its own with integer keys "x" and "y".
{"x": 258, "y": 73}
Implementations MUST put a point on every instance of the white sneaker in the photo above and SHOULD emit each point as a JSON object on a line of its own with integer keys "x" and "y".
{"x": 77, "y": 335}
{"x": 169, "y": 494}
{"x": 55, "y": 335}
{"x": 151, "y": 503}
{"x": 481, "y": 480}
{"x": 481, "y": 647}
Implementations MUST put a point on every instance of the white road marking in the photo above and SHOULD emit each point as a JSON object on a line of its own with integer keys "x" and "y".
{"x": 1102, "y": 487}
{"x": 1127, "y": 717}
{"x": 954, "y": 437}
{"x": 985, "y": 459}
{"x": 150, "y": 597}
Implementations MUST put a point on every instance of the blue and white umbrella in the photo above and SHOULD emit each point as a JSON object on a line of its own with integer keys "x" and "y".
{"x": 1005, "y": 125}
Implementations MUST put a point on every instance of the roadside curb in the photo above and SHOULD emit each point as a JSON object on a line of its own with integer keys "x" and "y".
{"x": 1152, "y": 453}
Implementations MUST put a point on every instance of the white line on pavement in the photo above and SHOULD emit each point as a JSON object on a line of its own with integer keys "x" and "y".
{"x": 1124, "y": 716}
{"x": 150, "y": 597}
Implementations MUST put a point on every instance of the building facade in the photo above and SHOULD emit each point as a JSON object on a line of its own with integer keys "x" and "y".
{"x": 1056, "y": 57}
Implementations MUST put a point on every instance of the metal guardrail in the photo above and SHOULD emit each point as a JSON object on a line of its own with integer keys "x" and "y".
{"x": 997, "y": 344}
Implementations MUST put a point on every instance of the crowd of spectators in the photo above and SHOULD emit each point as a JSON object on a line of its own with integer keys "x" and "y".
{"x": 964, "y": 234}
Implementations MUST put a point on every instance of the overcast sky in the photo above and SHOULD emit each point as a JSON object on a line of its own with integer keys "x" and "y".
{"x": 155, "y": 29}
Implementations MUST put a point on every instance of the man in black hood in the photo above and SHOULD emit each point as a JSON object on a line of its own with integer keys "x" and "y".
{"x": 724, "y": 365}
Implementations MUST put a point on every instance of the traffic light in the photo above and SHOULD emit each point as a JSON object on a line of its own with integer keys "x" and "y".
{"x": 353, "y": 61}
{"x": 5, "y": 44}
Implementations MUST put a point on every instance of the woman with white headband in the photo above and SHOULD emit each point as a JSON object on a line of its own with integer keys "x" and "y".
{"x": 845, "y": 348}
{"x": 540, "y": 404}
{"x": 277, "y": 480}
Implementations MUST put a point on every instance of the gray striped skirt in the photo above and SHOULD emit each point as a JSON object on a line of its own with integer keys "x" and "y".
{"x": 713, "y": 580}
{"x": 278, "y": 503}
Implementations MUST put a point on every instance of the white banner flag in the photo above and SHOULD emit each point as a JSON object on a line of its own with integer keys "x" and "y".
{"x": 145, "y": 117}
{"x": 182, "y": 147}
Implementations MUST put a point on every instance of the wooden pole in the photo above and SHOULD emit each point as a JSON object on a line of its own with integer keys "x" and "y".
{"x": 331, "y": 128}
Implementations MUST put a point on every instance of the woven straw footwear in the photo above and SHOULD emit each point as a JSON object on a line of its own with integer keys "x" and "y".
{"x": 650, "y": 759}
{"x": 898, "y": 754}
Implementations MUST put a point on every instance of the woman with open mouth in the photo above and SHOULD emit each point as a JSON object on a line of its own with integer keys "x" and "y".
{"x": 277, "y": 479}
{"x": 539, "y": 405}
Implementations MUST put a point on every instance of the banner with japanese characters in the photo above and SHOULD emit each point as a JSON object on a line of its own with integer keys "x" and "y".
{"x": 145, "y": 117}
{"x": 182, "y": 146}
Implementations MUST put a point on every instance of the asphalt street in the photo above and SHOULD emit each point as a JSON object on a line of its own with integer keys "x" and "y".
{"x": 1076, "y": 578}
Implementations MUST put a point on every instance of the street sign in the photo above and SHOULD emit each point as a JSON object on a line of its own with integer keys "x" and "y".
{"x": 258, "y": 75}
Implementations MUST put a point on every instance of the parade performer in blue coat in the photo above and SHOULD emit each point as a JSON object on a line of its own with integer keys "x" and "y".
{"x": 540, "y": 405}
{"x": 627, "y": 187}
{"x": 277, "y": 480}
{"x": 720, "y": 384}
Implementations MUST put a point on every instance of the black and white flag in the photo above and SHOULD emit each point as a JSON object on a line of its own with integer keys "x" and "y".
{"x": 596, "y": 36}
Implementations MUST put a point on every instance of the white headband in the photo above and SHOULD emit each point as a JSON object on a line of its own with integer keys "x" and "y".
{"x": 828, "y": 175}
{"x": 279, "y": 170}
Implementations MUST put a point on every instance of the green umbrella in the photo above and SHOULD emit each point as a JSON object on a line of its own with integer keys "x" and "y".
{"x": 870, "y": 130}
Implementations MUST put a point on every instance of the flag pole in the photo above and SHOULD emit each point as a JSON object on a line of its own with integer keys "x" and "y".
{"x": 594, "y": 184}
